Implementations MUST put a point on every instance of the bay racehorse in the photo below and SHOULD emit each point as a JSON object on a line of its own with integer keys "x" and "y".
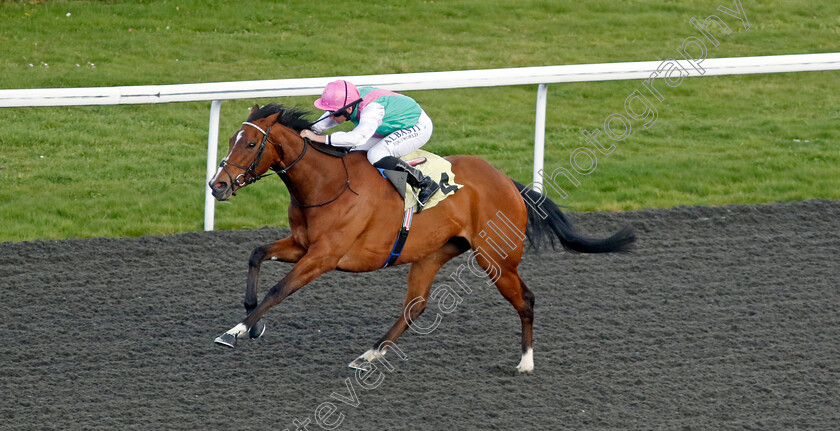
{"x": 345, "y": 216}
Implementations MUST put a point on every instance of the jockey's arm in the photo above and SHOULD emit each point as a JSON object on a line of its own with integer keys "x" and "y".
{"x": 323, "y": 123}
{"x": 369, "y": 120}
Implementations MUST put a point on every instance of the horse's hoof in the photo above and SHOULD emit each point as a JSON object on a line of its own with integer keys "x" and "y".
{"x": 360, "y": 364}
{"x": 227, "y": 340}
{"x": 526, "y": 364}
{"x": 256, "y": 331}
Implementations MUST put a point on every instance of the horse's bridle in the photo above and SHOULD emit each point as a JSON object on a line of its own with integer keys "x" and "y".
{"x": 250, "y": 175}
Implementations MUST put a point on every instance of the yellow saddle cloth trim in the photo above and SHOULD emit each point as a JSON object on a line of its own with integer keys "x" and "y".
{"x": 440, "y": 170}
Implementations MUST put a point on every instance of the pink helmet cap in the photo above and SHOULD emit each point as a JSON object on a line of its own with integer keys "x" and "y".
{"x": 337, "y": 94}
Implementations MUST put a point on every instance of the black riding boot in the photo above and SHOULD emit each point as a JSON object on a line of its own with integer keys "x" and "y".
{"x": 428, "y": 187}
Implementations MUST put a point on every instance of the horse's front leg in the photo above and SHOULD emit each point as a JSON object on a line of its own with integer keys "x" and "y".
{"x": 285, "y": 250}
{"x": 315, "y": 262}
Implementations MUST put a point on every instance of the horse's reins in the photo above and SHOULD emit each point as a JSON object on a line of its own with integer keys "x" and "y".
{"x": 250, "y": 176}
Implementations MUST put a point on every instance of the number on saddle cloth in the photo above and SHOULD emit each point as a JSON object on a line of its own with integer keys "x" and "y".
{"x": 436, "y": 167}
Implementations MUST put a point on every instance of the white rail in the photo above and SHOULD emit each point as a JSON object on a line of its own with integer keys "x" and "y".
{"x": 219, "y": 91}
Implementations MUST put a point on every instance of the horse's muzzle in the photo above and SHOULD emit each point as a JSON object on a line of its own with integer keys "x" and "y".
{"x": 221, "y": 190}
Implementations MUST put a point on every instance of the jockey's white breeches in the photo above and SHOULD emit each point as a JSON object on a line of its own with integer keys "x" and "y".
{"x": 400, "y": 142}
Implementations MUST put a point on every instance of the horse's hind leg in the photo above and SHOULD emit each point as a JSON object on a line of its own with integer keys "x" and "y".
{"x": 517, "y": 293}
{"x": 420, "y": 278}
{"x": 511, "y": 286}
{"x": 526, "y": 364}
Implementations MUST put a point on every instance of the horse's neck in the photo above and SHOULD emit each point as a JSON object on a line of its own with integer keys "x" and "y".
{"x": 316, "y": 177}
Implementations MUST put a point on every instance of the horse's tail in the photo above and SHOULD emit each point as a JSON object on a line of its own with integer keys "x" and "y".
{"x": 546, "y": 222}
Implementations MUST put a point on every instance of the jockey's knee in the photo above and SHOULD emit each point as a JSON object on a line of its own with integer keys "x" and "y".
{"x": 377, "y": 153}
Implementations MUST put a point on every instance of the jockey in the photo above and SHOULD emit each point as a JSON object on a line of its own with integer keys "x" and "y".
{"x": 388, "y": 126}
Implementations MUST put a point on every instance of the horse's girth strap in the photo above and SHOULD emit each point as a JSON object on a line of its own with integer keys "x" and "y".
{"x": 401, "y": 238}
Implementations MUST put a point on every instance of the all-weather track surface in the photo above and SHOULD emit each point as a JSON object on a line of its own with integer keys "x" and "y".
{"x": 723, "y": 318}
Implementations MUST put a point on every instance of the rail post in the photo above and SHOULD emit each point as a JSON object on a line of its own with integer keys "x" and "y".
{"x": 212, "y": 150}
{"x": 539, "y": 135}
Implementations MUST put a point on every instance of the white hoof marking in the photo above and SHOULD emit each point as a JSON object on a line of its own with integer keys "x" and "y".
{"x": 372, "y": 354}
{"x": 238, "y": 331}
{"x": 363, "y": 362}
{"x": 526, "y": 364}
{"x": 360, "y": 364}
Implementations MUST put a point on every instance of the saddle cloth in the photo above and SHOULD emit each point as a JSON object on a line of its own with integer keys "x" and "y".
{"x": 432, "y": 165}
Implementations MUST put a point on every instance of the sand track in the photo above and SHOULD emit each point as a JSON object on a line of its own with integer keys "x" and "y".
{"x": 724, "y": 318}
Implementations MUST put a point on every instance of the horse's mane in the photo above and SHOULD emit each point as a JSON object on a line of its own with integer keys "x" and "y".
{"x": 289, "y": 116}
{"x": 294, "y": 117}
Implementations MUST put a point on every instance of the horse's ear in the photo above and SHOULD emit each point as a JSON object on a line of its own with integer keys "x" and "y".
{"x": 254, "y": 108}
{"x": 273, "y": 118}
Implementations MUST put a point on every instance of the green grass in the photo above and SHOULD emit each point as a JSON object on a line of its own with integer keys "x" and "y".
{"x": 139, "y": 169}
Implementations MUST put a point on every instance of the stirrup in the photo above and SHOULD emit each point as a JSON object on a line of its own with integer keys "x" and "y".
{"x": 429, "y": 191}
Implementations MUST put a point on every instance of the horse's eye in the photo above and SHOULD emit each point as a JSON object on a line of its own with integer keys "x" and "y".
{"x": 252, "y": 144}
